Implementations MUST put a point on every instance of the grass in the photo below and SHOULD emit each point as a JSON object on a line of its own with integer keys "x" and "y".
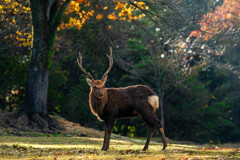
{"x": 69, "y": 144}
{"x": 61, "y": 148}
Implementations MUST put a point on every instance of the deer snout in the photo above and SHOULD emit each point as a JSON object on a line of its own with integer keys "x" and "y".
{"x": 98, "y": 93}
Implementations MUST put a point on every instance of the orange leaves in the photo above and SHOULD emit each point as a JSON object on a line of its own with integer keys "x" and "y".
{"x": 141, "y": 5}
{"x": 13, "y": 7}
{"x": 112, "y": 16}
{"x": 72, "y": 7}
{"x": 99, "y": 16}
{"x": 127, "y": 11}
{"x": 78, "y": 15}
{"x": 195, "y": 34}
{"x": 21, "y": 39}
{"x": 79, "y": 11}
{"x": 81, "y": 1}
{"x": 120, "y": 5}
{"x": 219, "y": 20}
{"x": 73, "y": 22}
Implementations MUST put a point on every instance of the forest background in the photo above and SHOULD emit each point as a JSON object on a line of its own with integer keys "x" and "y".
{"x": 186, "y": 51}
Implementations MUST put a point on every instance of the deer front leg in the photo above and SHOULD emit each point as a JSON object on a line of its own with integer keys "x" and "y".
{"x": 109, "y": 124}
{"x": 105, "y": 136}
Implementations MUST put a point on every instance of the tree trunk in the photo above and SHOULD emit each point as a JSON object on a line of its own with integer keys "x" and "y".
{"x": 36, "y": 96}
{"x": 35, "y": 105}
{"x": 46, "y": 17}
{"x": 162, "y": 112}
{"x": 161, "y": 98}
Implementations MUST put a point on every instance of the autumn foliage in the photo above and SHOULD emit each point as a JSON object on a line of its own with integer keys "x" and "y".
{"x": 81, "y": 11}
{"x": 13, "y": 14}
{"x": 220, "y": 20}
{"x": 16, "y": 16}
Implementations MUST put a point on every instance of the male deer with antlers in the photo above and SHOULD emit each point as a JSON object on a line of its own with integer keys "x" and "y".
{"x": 109, "y": 104}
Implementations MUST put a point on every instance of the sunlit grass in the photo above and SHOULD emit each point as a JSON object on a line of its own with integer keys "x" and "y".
{"x": 12, "y": 147}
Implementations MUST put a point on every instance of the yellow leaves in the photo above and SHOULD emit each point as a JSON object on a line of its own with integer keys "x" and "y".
{"x": 119, "y": 5}
{"x": 81, "y": 1}
{"x": 124, "y": 11}
{"x": 91, "y": 12}
{"x": 78, "y": 14}
{"x": 122, "y": 18}
{"x": 112, "y": 16}
{"x": 18, "y": 33}
{"x": 127, "y": 11}
{"x": 73, "y": 22}
{"x": 229, "y": 16}
{"x": 26, "y": 8}
{"x": 19, "y": 39}
{"x": 99, "y": 16}
{"x": 140, "y": 3}
{"x": 109, "y": 26}
{"x": 10, "y": 11}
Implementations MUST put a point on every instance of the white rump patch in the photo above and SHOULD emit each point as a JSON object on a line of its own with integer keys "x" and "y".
{"x": 153, "y": 101}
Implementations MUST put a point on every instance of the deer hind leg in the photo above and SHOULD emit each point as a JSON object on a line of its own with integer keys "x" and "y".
{"x": 152, "y": 120}
{"x": 150, "y": 134}
{"x": 158, "y": 124}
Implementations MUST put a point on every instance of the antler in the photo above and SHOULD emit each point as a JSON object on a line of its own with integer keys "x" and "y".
{"x": 110, "y": 63}
{"x": 79, "y": 60}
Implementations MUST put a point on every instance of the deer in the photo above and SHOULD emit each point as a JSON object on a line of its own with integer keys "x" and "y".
{"x": 110, "y": 104}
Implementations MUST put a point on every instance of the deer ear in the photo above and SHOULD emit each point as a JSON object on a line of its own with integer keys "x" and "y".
{"x": 104, "y": 79}
{"x": 89, "y": 81}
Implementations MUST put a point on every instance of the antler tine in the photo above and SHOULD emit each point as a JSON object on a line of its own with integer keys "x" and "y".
{"x": 79, "y": 60}
{"x": 110, "y": 63}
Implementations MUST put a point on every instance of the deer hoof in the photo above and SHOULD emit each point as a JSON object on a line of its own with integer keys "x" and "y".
{"x": 104, "y": 149}
{"x": 164, "y": 147}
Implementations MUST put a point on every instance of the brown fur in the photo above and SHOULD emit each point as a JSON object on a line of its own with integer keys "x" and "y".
{"x": 109, "y": 104}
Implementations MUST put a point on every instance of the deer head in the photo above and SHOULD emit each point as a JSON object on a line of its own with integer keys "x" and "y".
{"x": 97, "y": 86}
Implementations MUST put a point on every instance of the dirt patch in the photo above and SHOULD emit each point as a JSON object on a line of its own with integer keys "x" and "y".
{"x": 8, "y": 126}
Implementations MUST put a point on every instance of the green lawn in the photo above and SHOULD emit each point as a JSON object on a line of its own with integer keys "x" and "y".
{"x": 43, "y": 147}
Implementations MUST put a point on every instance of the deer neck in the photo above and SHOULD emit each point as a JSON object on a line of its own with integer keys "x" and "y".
{"x": 97, "y": 104}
